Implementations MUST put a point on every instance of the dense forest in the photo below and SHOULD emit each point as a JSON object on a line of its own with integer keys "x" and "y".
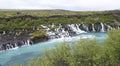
{"x": 84, "y": 53}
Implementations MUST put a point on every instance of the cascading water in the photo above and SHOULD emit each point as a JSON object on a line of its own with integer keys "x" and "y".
{"x": 109, "y": 27}
{"x": 15, "y": 46}
{"x": 93, "y": 28}
{"x": 118, "y": 27}
{"x": 102, "y": 27}
{"x": 86, "y": 28}
{"x": 60, "y": 32}
{"x": 74, "y": 28}
{"x": 11, "y": 46}
{"x": 4, "y": 32}
{"x": 0, "y": 47}
{"x": 28, "y": 42}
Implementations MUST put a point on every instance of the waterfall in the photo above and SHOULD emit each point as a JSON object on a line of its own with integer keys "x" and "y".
{"x": 11, "y": 46}
{"x": 102, "y": 27}
{"x": 28, "y": 42}
{"x": 0, "y": 47}
{"x": 25, "y": 42}
{"x": 109, "y": 27}
{"x": 76, "y": 29}
{"x": 57, "y": 33}
{"x": 48, "y": 32}
{"x": 118, "y": 27}
{"x": 16, "y": 45}
{"x": 7, "y": 46}
{"x": 60, "y": 32}
{"x": 93, "y": 28}
{"x": 33, "y": 28}
{"x": 64, "y": 33}
{"x": 86, "y": 28}
{"x": 83, "y": 27}
{"x": 4, "y": 32}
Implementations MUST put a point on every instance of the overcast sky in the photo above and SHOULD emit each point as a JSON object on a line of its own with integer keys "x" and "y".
{"x": 78, "y": 5}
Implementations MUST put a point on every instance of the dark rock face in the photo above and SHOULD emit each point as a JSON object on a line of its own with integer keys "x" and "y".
{"x": 39, "y": 39}
{"x": 14, "y": 43}
{"x": 84, "y": 27}
{"x": 98, "y": 27}
{"x": 90, "y": 27}
{"x": 10, "y": 40}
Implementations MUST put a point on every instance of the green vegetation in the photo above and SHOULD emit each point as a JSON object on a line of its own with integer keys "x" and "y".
{"x": 10, "y": 13}
{"x": 112, "y": 48}
{"x": 20, "y": 23}
{"x": 40, "y": 33}
{"x": 54, "y": 27}
{"x": 84, "y": 53}
{"x": 29, "y": 23}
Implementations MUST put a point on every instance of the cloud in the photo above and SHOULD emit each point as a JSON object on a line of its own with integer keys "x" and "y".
{"x": 61, "y": 4}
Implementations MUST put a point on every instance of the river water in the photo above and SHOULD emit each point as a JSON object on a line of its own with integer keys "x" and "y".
{"x": 25, "y": 53}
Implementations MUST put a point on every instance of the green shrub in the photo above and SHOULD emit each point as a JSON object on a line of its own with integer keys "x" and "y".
{"x": 39, "y": 33}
